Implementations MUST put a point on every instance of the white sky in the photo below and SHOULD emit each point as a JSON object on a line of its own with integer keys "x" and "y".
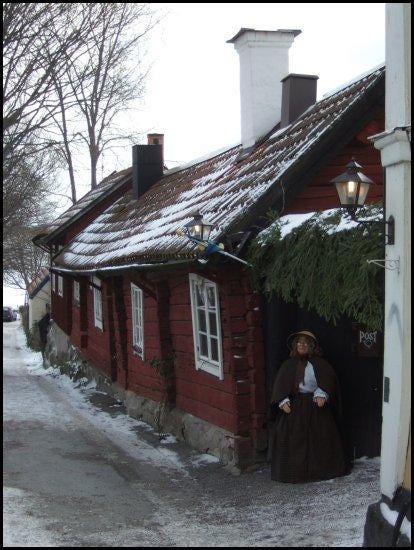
{"x": 193, "y": 89}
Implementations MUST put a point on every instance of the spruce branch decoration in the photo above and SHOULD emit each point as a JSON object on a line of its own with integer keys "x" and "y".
{"x": 323, "y": 268}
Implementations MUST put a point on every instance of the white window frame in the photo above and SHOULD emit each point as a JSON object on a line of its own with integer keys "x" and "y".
{"x": 206, "y": 363}
{"x": 60, "y": 285}
{"x": 76, "y": 292}
{"x": 137, "y": 307}
{"x": 97, "y": 302}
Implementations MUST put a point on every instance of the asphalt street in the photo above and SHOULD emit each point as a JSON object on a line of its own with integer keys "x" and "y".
{"x": 79, "y": 472}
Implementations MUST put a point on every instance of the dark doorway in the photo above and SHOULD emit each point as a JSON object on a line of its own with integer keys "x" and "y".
{"x": 356, "y": 356}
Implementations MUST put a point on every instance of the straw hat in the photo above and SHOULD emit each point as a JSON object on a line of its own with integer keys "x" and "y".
{"x": 301, "y": 333}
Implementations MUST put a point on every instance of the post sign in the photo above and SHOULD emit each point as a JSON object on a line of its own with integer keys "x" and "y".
{"x": 366, "y": 343}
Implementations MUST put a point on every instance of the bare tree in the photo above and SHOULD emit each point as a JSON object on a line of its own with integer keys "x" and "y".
{"x": 106, "y": 78}
{"x": 36, "y": 39}
{"x": 21, "y": 259}
{"x": 27, "y": 193}
{"x": 64, "y": 64}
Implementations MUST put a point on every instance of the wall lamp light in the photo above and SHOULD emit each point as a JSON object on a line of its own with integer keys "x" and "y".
{"x": 198, "y": 231}
{"x": 352, "y": 187}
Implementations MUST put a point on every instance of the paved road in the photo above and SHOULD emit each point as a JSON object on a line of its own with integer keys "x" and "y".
{"x": 78, "y": 472}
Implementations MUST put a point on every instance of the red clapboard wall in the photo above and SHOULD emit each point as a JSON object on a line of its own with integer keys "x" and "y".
{"x": 322, "y": 195}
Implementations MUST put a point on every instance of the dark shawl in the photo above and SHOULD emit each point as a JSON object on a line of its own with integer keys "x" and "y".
{"x": 291, "y": 374}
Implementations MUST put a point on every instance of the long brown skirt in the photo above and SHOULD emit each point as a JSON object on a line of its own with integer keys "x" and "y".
{"x": 307, "y": 445}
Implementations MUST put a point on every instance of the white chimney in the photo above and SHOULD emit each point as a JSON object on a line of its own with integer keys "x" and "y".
{"x": 264, "y": 62}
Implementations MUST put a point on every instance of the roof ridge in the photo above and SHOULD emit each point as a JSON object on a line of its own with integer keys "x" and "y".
{"x": 200, "y": 160}
{"x": 354, "y": 80}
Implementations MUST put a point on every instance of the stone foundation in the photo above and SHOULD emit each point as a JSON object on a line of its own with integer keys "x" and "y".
{"x": 198, "y": 433}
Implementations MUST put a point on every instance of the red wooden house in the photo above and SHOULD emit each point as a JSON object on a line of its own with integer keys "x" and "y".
{"x": 131, "y": 294}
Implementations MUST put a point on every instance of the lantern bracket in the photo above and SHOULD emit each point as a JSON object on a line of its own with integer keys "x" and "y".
{"x": 389, "y": 224}
{"x": 390, "y": 264}
{"x": 206, "y": 248}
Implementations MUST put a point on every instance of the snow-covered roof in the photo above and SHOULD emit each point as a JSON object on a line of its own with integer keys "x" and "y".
{"x": 38, "y": 281}
{"x": 91, "y": 197}
{"x": 223, "y": 188}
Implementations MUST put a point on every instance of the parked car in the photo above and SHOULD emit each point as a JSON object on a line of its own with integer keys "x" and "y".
{"x": 9, "y": 314}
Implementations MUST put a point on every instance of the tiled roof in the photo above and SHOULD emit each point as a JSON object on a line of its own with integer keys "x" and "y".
{"x": 90, "y": 197}
{"x": 222, "y": 188}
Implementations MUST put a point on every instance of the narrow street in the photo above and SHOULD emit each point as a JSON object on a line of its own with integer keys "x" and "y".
{"x": 79, "y": 472}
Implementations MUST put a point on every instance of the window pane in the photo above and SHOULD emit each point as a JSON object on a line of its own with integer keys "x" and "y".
{"x": 213, "y": 322}
{"x": 203, "y": 345}
{"x": 214, "y": 349}
{"x": 202, "y": 320}
{"x": 211, "y": 299}
{"x": 199, "y": 295}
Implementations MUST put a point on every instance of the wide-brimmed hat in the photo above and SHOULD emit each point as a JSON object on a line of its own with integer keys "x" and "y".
{"x": 301, "y": 333}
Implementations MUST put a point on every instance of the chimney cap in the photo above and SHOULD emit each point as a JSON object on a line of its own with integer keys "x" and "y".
{"x": 295, "y": 33}
{"x": 296, "y": 75}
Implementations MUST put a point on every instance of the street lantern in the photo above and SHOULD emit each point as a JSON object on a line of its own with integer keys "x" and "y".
{"x": 199, "y": 229}
{"x": 352, "y": 186}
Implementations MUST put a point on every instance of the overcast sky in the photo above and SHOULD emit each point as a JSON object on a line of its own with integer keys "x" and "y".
{"x": 193, "y": 89}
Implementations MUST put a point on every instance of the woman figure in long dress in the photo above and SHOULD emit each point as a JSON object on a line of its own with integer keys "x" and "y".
{"x": 307, "y": 445}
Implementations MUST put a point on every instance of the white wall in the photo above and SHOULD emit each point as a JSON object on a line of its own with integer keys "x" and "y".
{"x": 37, "y": 305}
{"x": 396, "y": 158}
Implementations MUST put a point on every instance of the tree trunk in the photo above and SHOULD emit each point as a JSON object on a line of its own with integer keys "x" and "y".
{"x": 94, "y": 163}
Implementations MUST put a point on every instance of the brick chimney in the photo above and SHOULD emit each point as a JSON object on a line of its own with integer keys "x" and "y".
{"x": 298, "y": 93}
{"x": 147, "y": 165}
{"x": 264, "y": 62}
{"x": 157, "y": 139}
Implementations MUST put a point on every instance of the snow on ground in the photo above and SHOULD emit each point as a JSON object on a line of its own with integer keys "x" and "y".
{"x": 119, "y": 429}
{"x": 211, "y": 507}
{"x": 17, "y": 517}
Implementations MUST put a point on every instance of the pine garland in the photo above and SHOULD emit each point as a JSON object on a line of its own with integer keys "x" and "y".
{"x": 322, "y": 269}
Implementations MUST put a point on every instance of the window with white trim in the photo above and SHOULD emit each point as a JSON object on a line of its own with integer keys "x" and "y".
{"x": 60, "y": 285}
{"x": 205, "y": 309}
{"x": 97, "y": 302}
{"x": 76, "y": 292}
{"x": 137, "y": 302}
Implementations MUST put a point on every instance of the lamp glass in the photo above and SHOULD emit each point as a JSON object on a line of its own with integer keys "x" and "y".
{"x": 195, "y": 230}
{"x": 206, "y": 230}
{"x": 199, "y": 229}
{"x": 363, "y": 191}
{"x": 352, "y": 193}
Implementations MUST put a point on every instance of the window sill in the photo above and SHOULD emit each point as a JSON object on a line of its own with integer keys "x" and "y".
{"x": 210, "y": 368}
{"x": 137, "y": 353}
